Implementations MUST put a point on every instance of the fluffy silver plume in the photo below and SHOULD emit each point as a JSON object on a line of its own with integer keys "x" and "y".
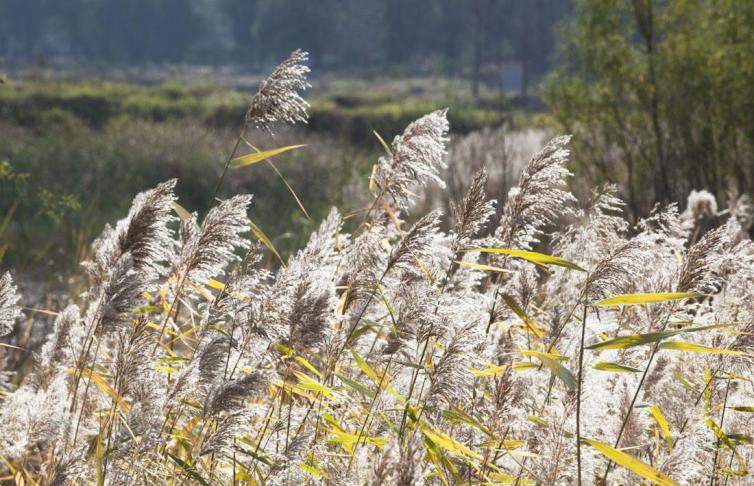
{"x": 278, "y": 98}
{"x": 9, "y": 310}
{"x": 230, "y": 395}
{"x": 417, "y": 155}
{"x": 415, "y": 244}
{"x": 121, "y": 290}
{"x": 474, "y": 211}
{"x": 664, "y": 222}
{"x": 206, "y": 250}
{"x": 618, "y": 271}
{"x": 698, "y": 272}
{"x": 303, "y": 296}
{"x": 58, "y": 350}
{"x": 144, "y": 234}
{"x": 228, "y": 428}
{"x": 539, "y": 198}
{"x": 451, "y": 380}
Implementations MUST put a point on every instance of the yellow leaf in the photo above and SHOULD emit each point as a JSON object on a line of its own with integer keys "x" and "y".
{"x": 631, "y": 463}
{"x": 260, "y": 156}
{"x": 538, "y": 420}
{"x": 532, "y": 256}
{"x": 450, "y": 444}
{"x": 346, "y": 438}
{"x": 636, "y": 299}
{"x": 491, "y": 371}
{"x": 307, "y": 383}
{"x": 259, "y": 234}
{"x": 698, "y": 348}
{"x": 372, "y": 181}
{"x": 522, "y": 315}
{"x": 181, "y": 212}
{"x": 524, "y": 365}
{"x": 310, "y": 469}
{"x": 479, "y": 266}
{"x": 102, "y": 383}
{"x": 42, "y": 311}
{"x": 290, "y": 189}
{"x": 383, "y": 143}
{"x": 364, "y": 366}
{"x": 504, "y": 445}
{"x": 308, "y": 365}
{"x": 663, "y": 424}
{"x": 503, "y": 478}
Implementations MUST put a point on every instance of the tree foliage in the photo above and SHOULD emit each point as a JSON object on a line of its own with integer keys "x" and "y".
{"x": 662, "y": 91}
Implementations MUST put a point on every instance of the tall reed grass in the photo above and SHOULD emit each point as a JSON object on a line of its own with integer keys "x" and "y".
{"x": 540, "y": 341}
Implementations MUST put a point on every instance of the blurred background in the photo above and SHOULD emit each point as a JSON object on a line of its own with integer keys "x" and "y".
{"x": 100, "y": 99}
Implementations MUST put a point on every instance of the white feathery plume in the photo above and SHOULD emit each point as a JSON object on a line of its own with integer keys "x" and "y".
{"x": 144, "y": 234}
{"x": 278, "y": 99}
{"x": 9, "y": 310}
{"x": 207, "y": 249}
{"x": 416, "y": 157}
{"x": 539, "y": 199}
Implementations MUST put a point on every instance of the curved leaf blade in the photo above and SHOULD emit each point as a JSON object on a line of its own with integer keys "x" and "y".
{"x": 260, "y": 156}
{"x": 614, "y": 367}
{"x": 532, "y": 256}
{"x": 698, "y": 348}
{"x": 638, "y": 299}
{"x": 631, "y": 463}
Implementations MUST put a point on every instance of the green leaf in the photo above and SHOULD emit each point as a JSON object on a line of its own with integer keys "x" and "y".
{"x": 743, "y": 408}
{"x": 356, "y": 386}
{"x": 552, "y": 362}
{"x": 637, "y": 299}
{"x": 459, "y": 415}
{"x": 382, "y": 383}
{"x": 522, "y": 315}
{"x": 624, "y": 342}
{"x": 538, "y": 421}
{"x": 260, "y": 156}
{"x": 189, "y": 470}
{"x": 614, "y": 367}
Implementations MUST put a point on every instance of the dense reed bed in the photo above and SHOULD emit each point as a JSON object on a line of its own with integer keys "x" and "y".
{"x": 539, "y": 341}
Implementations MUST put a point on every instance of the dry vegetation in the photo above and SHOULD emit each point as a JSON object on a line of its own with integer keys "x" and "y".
{"x": 397, "y": 353}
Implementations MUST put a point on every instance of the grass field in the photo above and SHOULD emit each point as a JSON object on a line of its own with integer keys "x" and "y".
{"x": 74, "y": 152}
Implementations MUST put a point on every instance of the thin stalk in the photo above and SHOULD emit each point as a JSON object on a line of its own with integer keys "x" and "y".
{"x": 655, "y": 348}
{"x": 414, "y": 377}
{"x": 84, "y": 356}
{"x": 369, "y": 413}
{"x": 415, "y": 373}
{"x": 86, "y": 392}
{"x": 717, "y": 448}
{"x": 581, "y": 382}
{"x": 227, "y": 166}
{"x": 696, "y": 402}
{"x": 630, "y": 409}
{"x": 333, "y": 363}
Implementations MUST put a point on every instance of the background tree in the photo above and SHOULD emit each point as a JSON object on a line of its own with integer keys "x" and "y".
{"x": 660, "y": 92}
{"x": 450, "y": 37}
